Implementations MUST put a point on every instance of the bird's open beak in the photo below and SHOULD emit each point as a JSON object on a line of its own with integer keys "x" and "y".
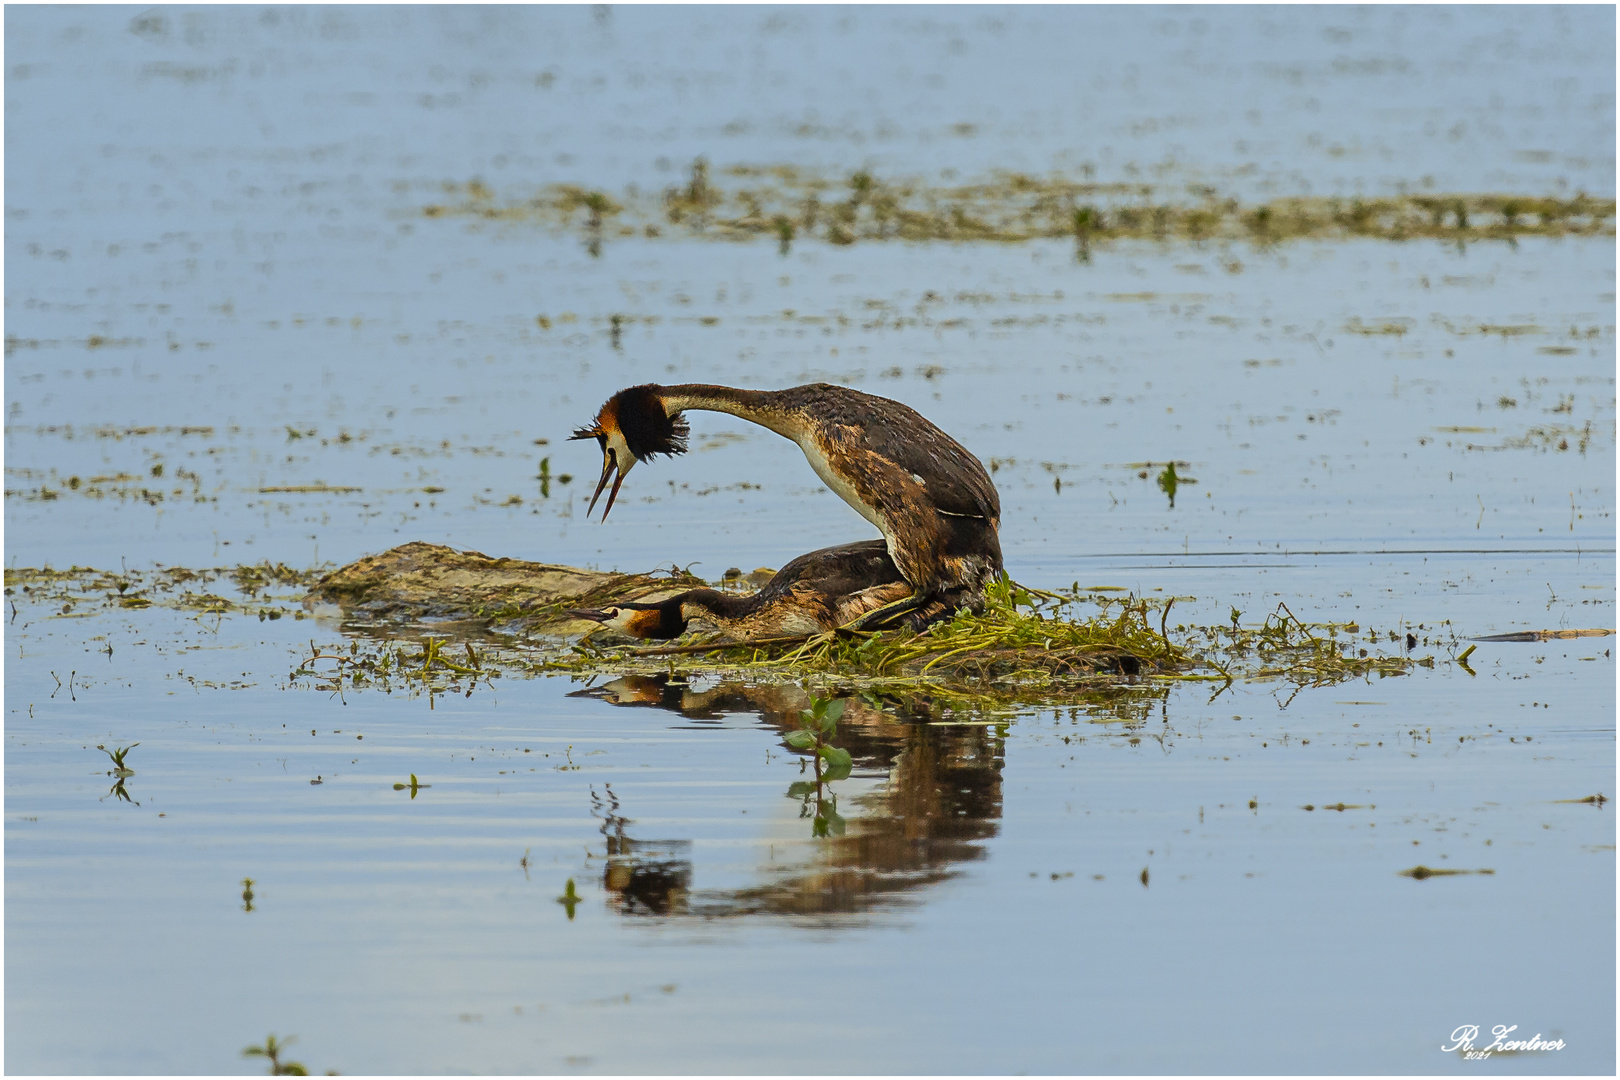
{"x": 610, "y": 468}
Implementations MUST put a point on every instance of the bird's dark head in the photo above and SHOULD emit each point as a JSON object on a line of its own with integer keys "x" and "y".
{"x": 632, "y": 426}
{"x": 662, "y": 620}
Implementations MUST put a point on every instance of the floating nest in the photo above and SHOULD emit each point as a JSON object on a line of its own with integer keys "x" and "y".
{"x": 1020, "y": 635}
{"x": 1024, "y": 640}
{"x": 422, "y": 582}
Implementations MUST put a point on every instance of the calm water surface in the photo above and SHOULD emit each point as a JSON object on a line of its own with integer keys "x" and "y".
{"x": 221, "y": 282}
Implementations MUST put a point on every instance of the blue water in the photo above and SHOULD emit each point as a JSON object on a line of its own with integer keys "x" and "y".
{"x": 218, "y": 265}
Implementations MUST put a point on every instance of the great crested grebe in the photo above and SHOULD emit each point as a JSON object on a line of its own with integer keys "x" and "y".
{"x": 931, "y": 499}
{"x": 812, "y": 594}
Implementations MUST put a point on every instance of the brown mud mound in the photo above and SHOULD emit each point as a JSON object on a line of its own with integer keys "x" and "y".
{"x": 431, "y": 581}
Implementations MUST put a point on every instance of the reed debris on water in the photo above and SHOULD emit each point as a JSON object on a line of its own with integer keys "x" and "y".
{"x": 789, "y": 204}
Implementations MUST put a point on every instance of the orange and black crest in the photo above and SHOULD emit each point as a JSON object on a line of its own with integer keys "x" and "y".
{"x": 638, "y": 414}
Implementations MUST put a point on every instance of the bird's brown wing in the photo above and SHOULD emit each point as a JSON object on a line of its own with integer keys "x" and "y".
{"x": 954, "y": 480}
{"x": 835, "y": 571}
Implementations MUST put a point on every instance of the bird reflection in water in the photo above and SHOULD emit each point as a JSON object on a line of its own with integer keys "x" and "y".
{"x": 941, "y": 801}
{"x": 644, "y": 877}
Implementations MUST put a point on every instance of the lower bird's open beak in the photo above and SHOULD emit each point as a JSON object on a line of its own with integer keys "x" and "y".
{"x": 589, "y": 613}
{"x": 610, "y": 468}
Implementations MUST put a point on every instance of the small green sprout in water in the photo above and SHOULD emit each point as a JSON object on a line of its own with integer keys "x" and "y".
{"x": 1085, "y": 220}
{"x": 784, "y": 232}
{"x": 818, "y": 725}
{"x": 598, "y": 204}
{"x": 570, "y": 898}
{"x": 273, "y": 1048}
{"x": 119, "y": 768}
{"x": 247, "y": 894}
{"x": 1168, "y": 482}
{"x": 415, "y": 785}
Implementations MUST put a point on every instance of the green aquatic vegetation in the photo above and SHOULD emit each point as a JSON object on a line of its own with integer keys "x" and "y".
{"x": 431, "y": 655}
{"x": 1001, "y": 643}
{"x": 1078, "y": 647}
{"x": 415, "y": 785}
{"x": 570, "y": 898}
{"x": 378, "y": 664}
{"x": 691, "y": 205}
{"x": 784, "y": 232}
{"x": 273, "y": 1048}
{"x": 1015, "y": 207}
{"x": 256, "y": 578}
{"x": 119, "y": 768}
{"x": 1027, "y": 646}
{"x": 1545, "y": 437}
{"x": 173, "y": 588}
{"x": 1168, "y": 482}
{"x": 818, "y": 726}
{"x": 1086, "y": 218}
{"x": 1394, "y": 327}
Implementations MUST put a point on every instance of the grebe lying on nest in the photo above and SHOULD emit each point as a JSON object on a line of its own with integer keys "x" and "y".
{"x": 814, "y": 593}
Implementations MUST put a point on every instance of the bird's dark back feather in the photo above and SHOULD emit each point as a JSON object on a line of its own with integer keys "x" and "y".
{"x": 955, "y": 480}
{"x": 833, "y": 571}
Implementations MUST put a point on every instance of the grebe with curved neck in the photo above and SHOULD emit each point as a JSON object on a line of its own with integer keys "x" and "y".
{"x": 934, "y": 503}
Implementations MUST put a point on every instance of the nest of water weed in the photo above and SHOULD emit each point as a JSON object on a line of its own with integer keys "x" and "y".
{"x": 1026, "y": 647}
{"x": 1033, "y": 639}
{"x": 1022, "y": 636}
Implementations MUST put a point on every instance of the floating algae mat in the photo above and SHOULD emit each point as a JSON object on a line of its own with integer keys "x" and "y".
{"x": 786, "y": 203}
